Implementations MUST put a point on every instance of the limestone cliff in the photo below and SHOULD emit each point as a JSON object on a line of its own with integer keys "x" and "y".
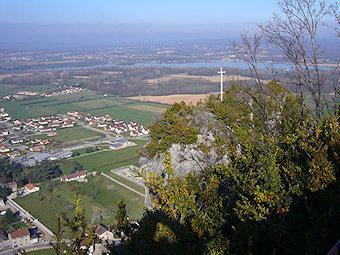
{"x": 194, "y": 157}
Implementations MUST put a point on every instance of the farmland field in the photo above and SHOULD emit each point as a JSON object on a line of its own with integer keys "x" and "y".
{"x": 7, "y": 89}
{"x": 86, "y": 102}
{"x": 127, "y": 182}
{"x": 42, "y": 252}
{"x": 72, "y": 135}
{"x": 156, "y": 108}
{"x": 127, "y": 114}
{"x": 105, "y": 160}
{"x": 213, "y": 78}
{"x": 99, "y": 194}
{"x": 170, "y": 99}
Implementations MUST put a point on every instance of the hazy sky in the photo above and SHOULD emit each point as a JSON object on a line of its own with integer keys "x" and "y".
{"x": 91, "y": 22}
{"x": 135, "y": 11}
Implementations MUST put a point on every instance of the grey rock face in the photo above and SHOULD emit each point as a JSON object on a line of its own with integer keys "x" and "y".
{"x": 191, "y": 157}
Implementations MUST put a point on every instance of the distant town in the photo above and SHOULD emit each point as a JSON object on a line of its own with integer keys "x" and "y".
{"x": 152, "y": 53}
{"x": 21, "y": 147}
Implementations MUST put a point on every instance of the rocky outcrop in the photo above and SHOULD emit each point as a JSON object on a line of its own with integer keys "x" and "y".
{"x": 198, "y": 156}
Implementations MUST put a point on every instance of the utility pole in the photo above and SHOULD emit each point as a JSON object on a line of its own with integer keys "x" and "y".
{"x": 221, "y": 72}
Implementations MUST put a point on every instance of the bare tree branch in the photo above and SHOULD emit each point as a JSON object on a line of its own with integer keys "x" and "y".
{"x": 295, "y": 32}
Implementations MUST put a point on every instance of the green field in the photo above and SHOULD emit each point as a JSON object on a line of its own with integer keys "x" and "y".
{"x": 105, "y": 160}
{"x": 7, "y": 89}
{"x": 127, "y": 182}
{"x": 127, "y": 114}
{"x": 69, "y": 136}
{"x": 47, "y": 106}
{"x": 43, "y": 252}
{"x": 83, "y": 151}
{"x": 99, "y": 194}
{"x": 86, "y": 102}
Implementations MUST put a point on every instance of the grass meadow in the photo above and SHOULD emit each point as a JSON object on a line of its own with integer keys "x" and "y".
{"x": 98, "y": 195}
{"x": 42, "y": 252}
{"x": 86, "y": 102}
{"x": 105, "y": 160}
{"x": 71, "y": 135}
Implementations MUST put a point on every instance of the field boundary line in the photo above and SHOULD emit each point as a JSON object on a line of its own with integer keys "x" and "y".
{"x": 127, "y": 178}
{"x": 112, "y": 179}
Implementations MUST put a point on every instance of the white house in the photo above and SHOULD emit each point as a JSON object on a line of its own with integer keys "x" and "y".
{"x": 30, "y": 188}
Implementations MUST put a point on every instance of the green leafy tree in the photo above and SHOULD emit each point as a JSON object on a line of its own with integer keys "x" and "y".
{"x": 122, "y": 219}
{"x": 282, "y": 168}
{"x": 194, "y": 203}
{"x": 172, "y": 127}
{"x": 4, "y": 192}
{"x": 80, "y": 232}
{"x": 75, "y": 153}
{"x": 45, "y": 171}
{"x": 9, "y": 171}
{"x": 76, "y": 167}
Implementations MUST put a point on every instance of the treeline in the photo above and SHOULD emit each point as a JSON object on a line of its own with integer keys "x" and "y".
{"x": 43, "y": 171}
{"x": 279, "y": 189}
{"x": 132, "y": 81}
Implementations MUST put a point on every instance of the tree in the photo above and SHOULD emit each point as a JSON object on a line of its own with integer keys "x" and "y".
{"x": 82, "y": 235}
{"x": 171, "y": 128}
{"x": 295, "y": 32}
{"x": 76, "y": 167}
{"x": 122, "y": 219}
{"x": 192, "y": 209}
{"x": 282, "y": 168}
{"x": 9, "y": 171}
{"x": 4, "y": 192}
{"x": 75, "y": 153}
{"x": 45, "y": 171}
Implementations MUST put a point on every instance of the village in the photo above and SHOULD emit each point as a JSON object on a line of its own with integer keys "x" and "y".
{"x": 17, "y": 142}
{"x": 23, "y": 93}
{"x": 30, "y": 141}
{"x": 35, "y": 235}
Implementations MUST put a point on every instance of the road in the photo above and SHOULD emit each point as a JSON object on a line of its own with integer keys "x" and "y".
{"x": 40, "y": 246}
{"x": 107, "y": 138}
{"x": 112, "y": 179}
{"x": 24, "y": 214}
{"x": 31, "y": 247}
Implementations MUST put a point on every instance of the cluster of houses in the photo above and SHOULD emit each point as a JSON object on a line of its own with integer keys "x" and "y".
{"x": 27, "y": 93}
{"x": 23, "y": 236}
{"x": 46, "y": 124}
{"x": 35, "y": 145}
{"x": 4, "y": 116}
{"x": 20, "y": 95}
{"x": 27, "y": 189}
{"x": 63, "y": 92}
{"x": 7, "y": 152}
{"x": 108, "y": 124}
{"x": 23, "y": 93}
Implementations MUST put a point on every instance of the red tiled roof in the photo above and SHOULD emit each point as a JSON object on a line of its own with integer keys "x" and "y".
{"x": 31, "y": 186}
{"x": 100, "y": 229}
{"x": 74, "y": 175}
{"x": 20, "y": 233}
{"x": 10, "y": 184}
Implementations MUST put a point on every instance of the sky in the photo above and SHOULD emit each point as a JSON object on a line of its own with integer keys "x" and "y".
{"x": 81, "y": 22}
{"x": 134, "y": 11}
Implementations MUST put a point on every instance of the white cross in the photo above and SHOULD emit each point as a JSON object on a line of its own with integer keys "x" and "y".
{"x": 221, "y": 72}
